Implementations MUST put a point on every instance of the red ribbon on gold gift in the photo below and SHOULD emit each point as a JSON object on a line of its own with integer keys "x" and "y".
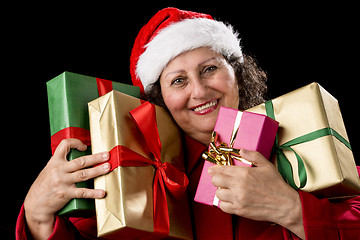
{"x": 166, "y": 175}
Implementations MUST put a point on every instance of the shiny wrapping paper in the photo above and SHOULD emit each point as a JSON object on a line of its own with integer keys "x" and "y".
{"x": 329, "y": 166}
{"x": 236, "y": 129}
{"x": 127, "y": 211}
{"x": 68, "y": 96}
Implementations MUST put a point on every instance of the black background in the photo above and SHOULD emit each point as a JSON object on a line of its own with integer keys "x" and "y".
{"x": 296, "y": 44}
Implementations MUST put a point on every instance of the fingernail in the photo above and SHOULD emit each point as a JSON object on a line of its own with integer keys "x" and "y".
{"x": 100, "y": 194}
{"x": 106, "y": 166}
{"x": 244, "y": 151}
{"x": 105, "y": 155}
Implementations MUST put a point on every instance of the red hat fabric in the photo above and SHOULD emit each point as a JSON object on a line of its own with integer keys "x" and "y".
{"x": 171, "y": 32}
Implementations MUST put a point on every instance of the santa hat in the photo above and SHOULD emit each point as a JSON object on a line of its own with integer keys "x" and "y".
{"x": 171, "y": 32}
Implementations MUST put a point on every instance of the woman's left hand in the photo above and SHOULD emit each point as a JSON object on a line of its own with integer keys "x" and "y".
{"x": 258, "y": 193}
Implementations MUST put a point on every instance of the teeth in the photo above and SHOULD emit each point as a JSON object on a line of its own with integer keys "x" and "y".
{"x": 203, "y": 107}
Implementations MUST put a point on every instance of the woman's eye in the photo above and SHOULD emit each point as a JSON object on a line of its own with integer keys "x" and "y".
{"x": 177, "y": 81}
{"x": 210, "y": 69}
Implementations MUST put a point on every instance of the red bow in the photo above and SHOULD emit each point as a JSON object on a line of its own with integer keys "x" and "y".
{"x": 166, "y": 175}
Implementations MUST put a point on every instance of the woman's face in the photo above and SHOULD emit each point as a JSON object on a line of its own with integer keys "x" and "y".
{"x": 194, "y": 85}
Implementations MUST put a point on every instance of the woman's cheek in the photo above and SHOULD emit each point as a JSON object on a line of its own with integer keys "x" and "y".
{"x": 175, "y": 100}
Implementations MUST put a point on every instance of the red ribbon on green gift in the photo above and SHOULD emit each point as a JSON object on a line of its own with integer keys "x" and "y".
{"x": 166, "y": 175}
{"x": 104, "y": 86}
{"x": 70, "y": 132}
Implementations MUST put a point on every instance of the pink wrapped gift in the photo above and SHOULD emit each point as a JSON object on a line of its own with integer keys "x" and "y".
{"x": 236, "y": 130}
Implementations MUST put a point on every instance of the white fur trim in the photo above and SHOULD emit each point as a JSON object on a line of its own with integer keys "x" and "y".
{"x": 183, "y": 36}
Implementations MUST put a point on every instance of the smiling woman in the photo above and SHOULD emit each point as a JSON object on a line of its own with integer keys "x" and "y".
{"x": 193, "y": 78}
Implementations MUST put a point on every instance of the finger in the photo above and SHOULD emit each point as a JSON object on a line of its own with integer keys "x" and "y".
{"x": 87, "y": 193}
{"x": 227, "y": 207}
{"x": 223, "y": 169}
{"x": 66, "y": 144}
{"x": 255, "y": 157}
{"x": 221, "y": 180}
{"x": 89, "y": 173}
{"x": 224, "y": 194}
{"x": 86, "y": 161}
{"x": 217, "y": 169}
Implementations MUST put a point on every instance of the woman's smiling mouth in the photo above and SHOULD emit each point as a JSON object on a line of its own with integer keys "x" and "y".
{"x": 206, "y": 107}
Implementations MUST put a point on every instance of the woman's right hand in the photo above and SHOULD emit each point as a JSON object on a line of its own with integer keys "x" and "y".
{"x": 55, "y": 186}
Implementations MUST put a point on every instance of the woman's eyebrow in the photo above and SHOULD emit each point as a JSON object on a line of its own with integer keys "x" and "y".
{"x": 199, "y": 64}
{"x": 174, "y": 72}
{"x": 205, "y": 61}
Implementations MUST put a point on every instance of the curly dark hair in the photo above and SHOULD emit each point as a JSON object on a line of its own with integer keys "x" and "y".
{"x": 250, "y": 77}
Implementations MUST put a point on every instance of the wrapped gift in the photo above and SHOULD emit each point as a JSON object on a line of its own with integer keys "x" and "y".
{"x": 68, "y": 96}
{"x": 145, "y": 190}
{"x": 312, "y": 142}
{"x": 233, "y": 131}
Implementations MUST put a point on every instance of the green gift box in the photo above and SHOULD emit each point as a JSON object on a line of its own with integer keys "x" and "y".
{"x": 68, "y": 96}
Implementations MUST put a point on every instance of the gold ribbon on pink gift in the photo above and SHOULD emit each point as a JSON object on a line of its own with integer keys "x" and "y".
{"x": 224, "y": 154}
{"x": 221, "y": 154}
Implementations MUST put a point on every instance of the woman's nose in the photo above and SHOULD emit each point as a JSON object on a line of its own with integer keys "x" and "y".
{"x": 199, "y": 88}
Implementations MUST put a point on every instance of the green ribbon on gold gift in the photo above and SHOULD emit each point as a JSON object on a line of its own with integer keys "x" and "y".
{"x": 283, "y": 163}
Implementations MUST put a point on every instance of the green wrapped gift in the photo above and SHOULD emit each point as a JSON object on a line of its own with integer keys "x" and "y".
{"x": 68, "y": 96}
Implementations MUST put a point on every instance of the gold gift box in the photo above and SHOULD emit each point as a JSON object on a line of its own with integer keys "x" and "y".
{"x": 329, "y": 163}
{"x": 127, "y": 210}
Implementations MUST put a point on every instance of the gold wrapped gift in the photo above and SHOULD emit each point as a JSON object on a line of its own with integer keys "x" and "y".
{"x": 313, "y": 139}
{"x": 146, "y": 155}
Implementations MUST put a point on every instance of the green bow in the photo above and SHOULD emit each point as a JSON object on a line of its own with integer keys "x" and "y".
{"x": 283, "y": 163}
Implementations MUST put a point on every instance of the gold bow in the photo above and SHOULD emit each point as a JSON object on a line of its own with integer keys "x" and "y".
{"x": 222, "y": 154}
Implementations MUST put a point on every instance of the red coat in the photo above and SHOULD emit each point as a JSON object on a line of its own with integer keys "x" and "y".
{"x": 322, "y": 218}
